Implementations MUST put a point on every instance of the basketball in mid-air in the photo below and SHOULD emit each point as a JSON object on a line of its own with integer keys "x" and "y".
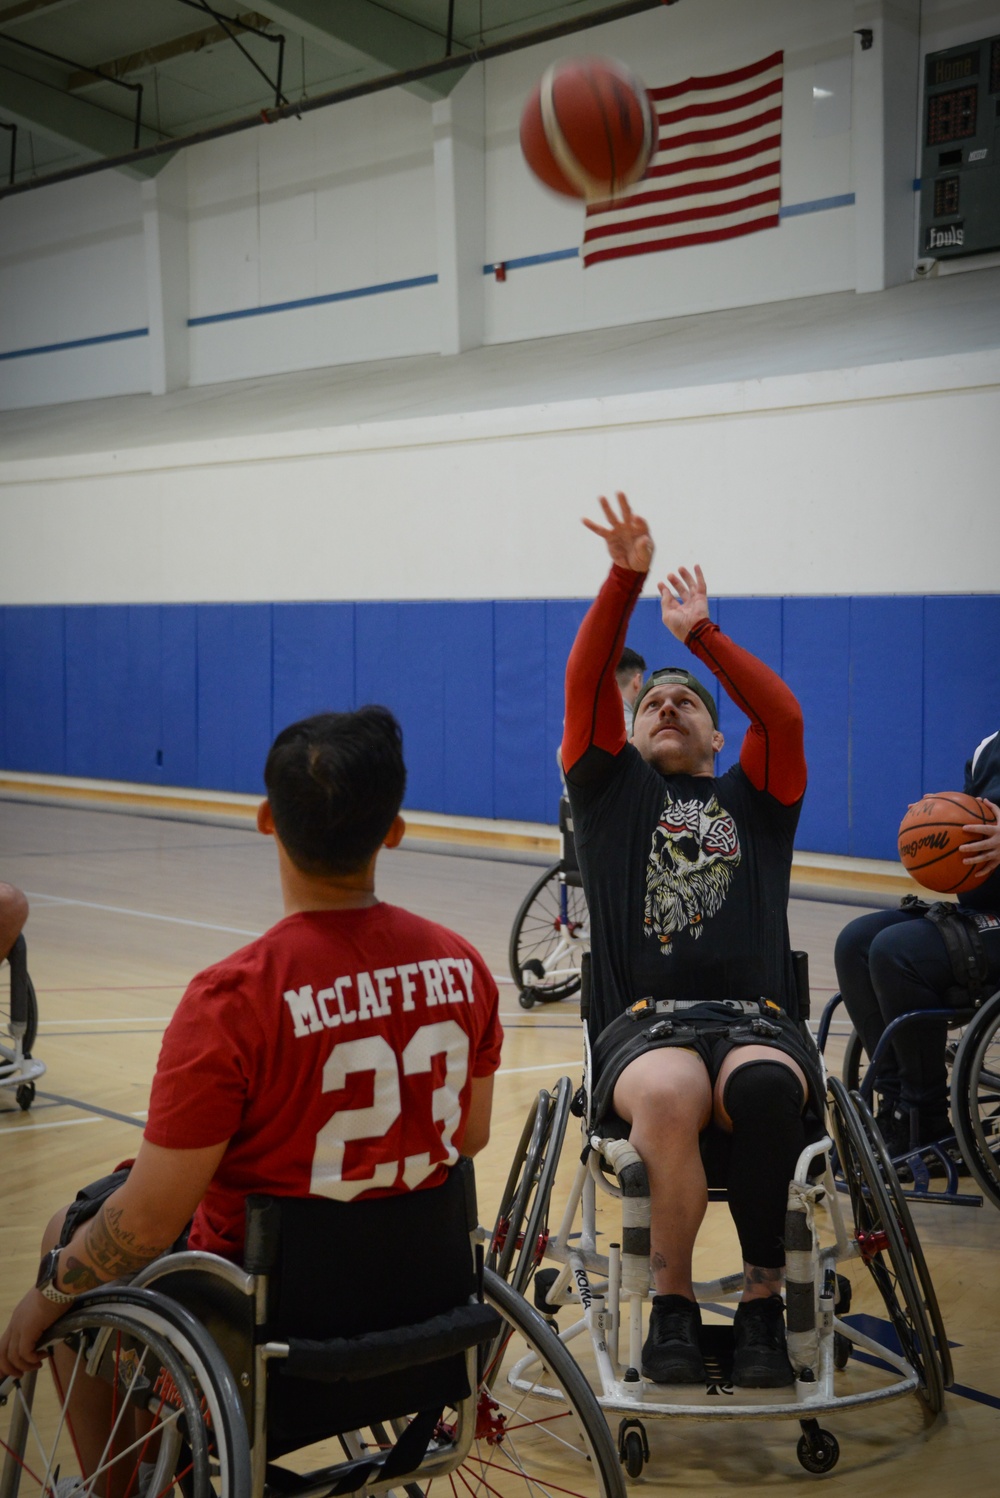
{"x": 930, "y": 836}
{"x": 588, "y": 129}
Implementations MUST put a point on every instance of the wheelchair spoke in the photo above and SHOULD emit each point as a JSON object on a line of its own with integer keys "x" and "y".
{"x": 550, "y": 934}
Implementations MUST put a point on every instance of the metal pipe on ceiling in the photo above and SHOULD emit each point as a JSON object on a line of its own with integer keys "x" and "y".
{"x": 342, "y": 95}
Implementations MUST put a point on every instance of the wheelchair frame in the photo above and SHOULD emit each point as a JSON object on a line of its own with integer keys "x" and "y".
{"x": 214, "y": 1359}
{"x": 548, "y": 943}
{"x": 975, "y": 1074}
{"x": 608, "y": 1290}
{"x": 19, "y": 1019}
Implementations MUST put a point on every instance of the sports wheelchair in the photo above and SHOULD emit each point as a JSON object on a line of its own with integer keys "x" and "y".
{"x": 551, "y": 931}
{"x": 606, "y": 1289}
{"x": 361, "y": 1347}
{"x": 972, "y": 1055}
{"x": 19, "y": 1030}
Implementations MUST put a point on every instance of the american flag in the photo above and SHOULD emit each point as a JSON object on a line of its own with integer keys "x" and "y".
{"x": 715, "y": 173}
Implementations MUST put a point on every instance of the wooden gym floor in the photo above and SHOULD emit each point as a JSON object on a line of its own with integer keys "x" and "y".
{"x": 124, "y": 909}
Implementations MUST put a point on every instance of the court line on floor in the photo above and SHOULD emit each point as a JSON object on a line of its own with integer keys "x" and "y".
{"x": 145, "y": 915}
{"x": 72, "y": 1102}
{"x": 64, "y": 1123}
{"x": 516, "y": 1071}
{"x": 112, "y": 1019}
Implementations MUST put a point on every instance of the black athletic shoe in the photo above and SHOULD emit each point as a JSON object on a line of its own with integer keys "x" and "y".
{"x": 760, "y": 1358}
{"x": 671, "y": 1354}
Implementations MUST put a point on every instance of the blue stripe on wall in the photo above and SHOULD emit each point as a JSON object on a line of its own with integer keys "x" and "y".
{"x": 896, "y": 693}
{"x": 58, "y": 348}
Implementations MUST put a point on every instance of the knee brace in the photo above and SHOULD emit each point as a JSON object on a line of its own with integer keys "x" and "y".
{"x": 764, "y": 1099}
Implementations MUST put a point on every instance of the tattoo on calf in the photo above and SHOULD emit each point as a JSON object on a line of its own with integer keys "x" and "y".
{"x": 754, "y": 1274}
{"x": 112, "y": 1252}
{"x": 657, "y": 1262}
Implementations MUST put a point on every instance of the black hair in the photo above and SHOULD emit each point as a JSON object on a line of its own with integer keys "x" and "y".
{"x": 631, "y": 662}
{"x": 335, "y": 784}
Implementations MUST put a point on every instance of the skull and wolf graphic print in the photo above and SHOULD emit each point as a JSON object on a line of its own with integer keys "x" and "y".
{"x": 694, "y": 854}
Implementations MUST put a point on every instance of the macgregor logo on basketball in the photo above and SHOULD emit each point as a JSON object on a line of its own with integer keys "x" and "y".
{"x": 929, "y": 840}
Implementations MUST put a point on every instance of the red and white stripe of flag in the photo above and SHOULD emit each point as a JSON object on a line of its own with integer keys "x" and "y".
{"x": 715, "y": 174}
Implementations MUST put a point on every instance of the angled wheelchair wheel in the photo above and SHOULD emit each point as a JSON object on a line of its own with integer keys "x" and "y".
{"x": 520, "y": 1232}
{"x": 975, "y": 1097}
{"x": 886, "y": 1237}
{"x": 170, "y": 1413}
{"x": 548, "y": 939}
{"x": 540, "y": 1429}
{"x": 855, "y": 1062}
{"x": 31, "y": 1033}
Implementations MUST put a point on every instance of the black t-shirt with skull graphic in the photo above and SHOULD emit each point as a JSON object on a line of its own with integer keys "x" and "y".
{"x": 687, "y": 885}
{"x": 686, "y": 876}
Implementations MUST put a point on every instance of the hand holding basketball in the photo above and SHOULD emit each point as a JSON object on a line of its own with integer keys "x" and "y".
{"x": 628, "y": 540}
{"x": 932, "y": 841}
{"x": 687, "y": 605}
{"x": 985, "y": 849}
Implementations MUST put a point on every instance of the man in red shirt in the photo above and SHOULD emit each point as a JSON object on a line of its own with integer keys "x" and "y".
{"x": 348, "y": 1051}
{"x": 686, "y": 874}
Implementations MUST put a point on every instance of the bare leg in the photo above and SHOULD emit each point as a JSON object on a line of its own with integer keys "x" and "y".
{"x": 666, "y": 1097}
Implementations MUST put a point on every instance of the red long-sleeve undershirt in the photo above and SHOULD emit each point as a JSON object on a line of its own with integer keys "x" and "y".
{"x": 772, "y": 754}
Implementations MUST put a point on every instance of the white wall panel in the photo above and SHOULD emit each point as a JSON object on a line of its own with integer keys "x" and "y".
{"x": 827, "y": 483}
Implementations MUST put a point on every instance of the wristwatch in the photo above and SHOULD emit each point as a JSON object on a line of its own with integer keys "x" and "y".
{"x": 45, "y": 1282}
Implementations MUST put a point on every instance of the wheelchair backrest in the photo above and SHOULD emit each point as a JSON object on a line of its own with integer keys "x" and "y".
{"x": 347, "y": 1269}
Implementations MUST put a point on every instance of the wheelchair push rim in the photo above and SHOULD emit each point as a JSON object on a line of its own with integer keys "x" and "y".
{"x": 975, "y": 1097}
{"x": 885, "y": 1236}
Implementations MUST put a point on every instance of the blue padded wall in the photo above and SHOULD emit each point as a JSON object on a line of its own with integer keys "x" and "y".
{"x": 234, "y": 695}
{"x": 313, "y": 660}
{"x": 961, "y": 684}
{"x": 35, "y": 688}
{"x": 896, "y": 692}
{"x": 816, "y": 665}
{"x": 886, "y": 720}
{"x": 179, "y": 694}
{"x": 523, "y": 748}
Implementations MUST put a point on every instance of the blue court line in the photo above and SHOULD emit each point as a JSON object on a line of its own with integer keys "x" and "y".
{"x": 313, "y": 301}
{"x": 57, "y": 348}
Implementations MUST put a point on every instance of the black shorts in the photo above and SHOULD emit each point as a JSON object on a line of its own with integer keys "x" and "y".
{"x": 89, "y": 1201}
{"x": 711, "y": 1030}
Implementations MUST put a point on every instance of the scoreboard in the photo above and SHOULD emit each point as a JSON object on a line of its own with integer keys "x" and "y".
{"x": 960, "y": 158}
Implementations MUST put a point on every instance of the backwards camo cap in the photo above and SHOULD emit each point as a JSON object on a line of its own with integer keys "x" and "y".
{"x": 677, "y": 676}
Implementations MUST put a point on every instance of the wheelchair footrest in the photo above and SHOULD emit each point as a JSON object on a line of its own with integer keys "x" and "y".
{"x": 717, "y": 1346}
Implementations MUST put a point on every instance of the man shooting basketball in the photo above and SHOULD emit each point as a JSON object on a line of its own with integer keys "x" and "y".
{"x": 686, "y": 875}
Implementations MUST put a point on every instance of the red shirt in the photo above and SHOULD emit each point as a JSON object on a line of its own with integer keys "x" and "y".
{"x": 335, "y": 1053}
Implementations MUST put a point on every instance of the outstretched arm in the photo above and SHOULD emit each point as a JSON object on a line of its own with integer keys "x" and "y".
{"x": 594, "y": 731}
{"x": 773, "y": 753}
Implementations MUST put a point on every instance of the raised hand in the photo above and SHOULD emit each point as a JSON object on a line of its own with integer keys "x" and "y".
{"x": 985, "y": 850}
{"x": 687, "y": 604}
{"x": 627, "y": 536}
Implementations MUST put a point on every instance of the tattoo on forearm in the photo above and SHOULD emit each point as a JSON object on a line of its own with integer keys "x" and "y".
{"x": 753, "y": 1274}
{"x": 108, "y": 1252}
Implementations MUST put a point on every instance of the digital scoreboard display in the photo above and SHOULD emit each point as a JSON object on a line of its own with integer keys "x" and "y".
{"x": 952, "y": 116}
{"x": 952, "y": 67}
{"x": 960, "y": 155}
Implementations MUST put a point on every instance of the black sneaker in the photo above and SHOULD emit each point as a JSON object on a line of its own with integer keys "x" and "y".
{"x": 760, "y": 1358}
{"x": 671, "y": 1354}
